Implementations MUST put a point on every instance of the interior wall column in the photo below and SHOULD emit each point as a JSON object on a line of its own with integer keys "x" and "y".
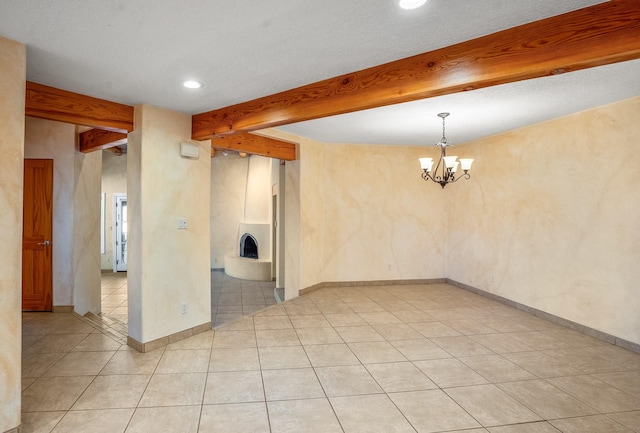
{"x": 281, "y": 228}
{"x": 12, "y": 98}
{"x": 86, "y": 233}
{"x": 169, "y": 277}
{"x": 292, "y": 232}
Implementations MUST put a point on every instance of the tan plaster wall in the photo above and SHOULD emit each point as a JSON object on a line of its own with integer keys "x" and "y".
{"x": 167, "y": 266}
{"x": 12, "y": 94}
{"x": 550, "y": 218}
{"x": 312, "y": 213}
{"x": 114, "y": 181}
{"x": 381, "y": 220}
{"x": 257, "y": 207}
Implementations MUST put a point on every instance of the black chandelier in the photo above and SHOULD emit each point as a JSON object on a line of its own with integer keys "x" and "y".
{"x": 447, "y": 166}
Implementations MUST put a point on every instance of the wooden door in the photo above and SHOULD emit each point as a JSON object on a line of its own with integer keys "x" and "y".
{"x": 37, "y": 233}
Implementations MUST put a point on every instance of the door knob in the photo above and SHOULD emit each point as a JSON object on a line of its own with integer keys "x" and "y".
{"x": 45, "y": 243}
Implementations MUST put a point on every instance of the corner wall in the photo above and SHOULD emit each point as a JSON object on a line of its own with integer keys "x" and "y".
{"x": 361, "y": 213}
{"x": 550, "y": 218}
{"x": 12, "y": 96}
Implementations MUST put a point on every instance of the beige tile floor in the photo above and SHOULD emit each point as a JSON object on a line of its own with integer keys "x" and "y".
{"x": 393, "y": 359}
{"x": 231, "y": 298}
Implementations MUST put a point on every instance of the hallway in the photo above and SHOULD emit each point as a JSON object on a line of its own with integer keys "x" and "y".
{"x": 412, "y": 358}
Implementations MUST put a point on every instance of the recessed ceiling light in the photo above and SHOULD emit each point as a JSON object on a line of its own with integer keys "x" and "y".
{"x": 411, "y": 4}
{"x": 192, "y": 84}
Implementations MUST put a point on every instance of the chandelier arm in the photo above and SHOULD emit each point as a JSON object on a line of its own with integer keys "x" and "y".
{"x": 426, "y": 175}
{"x": 444, "y": 181}
{"x": 464, "y": 176}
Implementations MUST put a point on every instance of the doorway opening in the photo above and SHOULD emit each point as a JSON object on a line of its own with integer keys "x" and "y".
{"x": 120, "y": 233}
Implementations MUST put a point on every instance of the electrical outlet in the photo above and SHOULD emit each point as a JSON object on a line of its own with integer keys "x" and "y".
{"x": 182, "y": 223}
{"x": 184, "y": 308}
{"x": 492, "y": 278}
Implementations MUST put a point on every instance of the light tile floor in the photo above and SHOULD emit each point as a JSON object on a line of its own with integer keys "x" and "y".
{"x": 114, "y": 296}
{"x": 231, "y": 298}
{"x": 423, "y": 358}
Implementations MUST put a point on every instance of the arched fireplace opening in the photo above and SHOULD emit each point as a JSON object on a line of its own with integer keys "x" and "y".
{"x": 248, "y": 246}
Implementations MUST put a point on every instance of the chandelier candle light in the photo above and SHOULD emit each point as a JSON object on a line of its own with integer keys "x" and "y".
{"x": 445, "y": 171}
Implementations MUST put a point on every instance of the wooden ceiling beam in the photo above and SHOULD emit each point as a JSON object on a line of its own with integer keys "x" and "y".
{"x": 115, "y": 150}
{"x": 100, "y": 139}
{"x": 594, "y": 36}
{"x": 50, "y": 103}
{"x": 256, "y": 145}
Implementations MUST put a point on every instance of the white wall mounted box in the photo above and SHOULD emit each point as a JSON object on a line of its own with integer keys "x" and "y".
{"x": 189, "y": 150}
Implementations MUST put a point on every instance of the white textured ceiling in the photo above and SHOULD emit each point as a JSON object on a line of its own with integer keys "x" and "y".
{"x": 135, "y": 51}
{"x": 479, "y": 113}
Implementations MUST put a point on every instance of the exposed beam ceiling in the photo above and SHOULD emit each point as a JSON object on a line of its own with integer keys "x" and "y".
{"x": 598, "y": 35}
{"x": 257, "y": 145}
{"x": 115, "y": 150}
{"x": 100, "y": 139}
{"x": 296, "y": 49}
{"x": 111, "y": 122}
{"x": 56, "y": 104}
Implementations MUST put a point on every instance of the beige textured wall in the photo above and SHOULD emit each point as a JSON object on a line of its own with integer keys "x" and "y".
{"x": 12, "y": 94}
{"x": 257, "y": 207}
{"x": 550, "y": 218}
{"x": 114, "y": 180}
{"x": 313, "y": 224}
{"x": 167, "y": 266}
{"x": 381, "y": 220}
